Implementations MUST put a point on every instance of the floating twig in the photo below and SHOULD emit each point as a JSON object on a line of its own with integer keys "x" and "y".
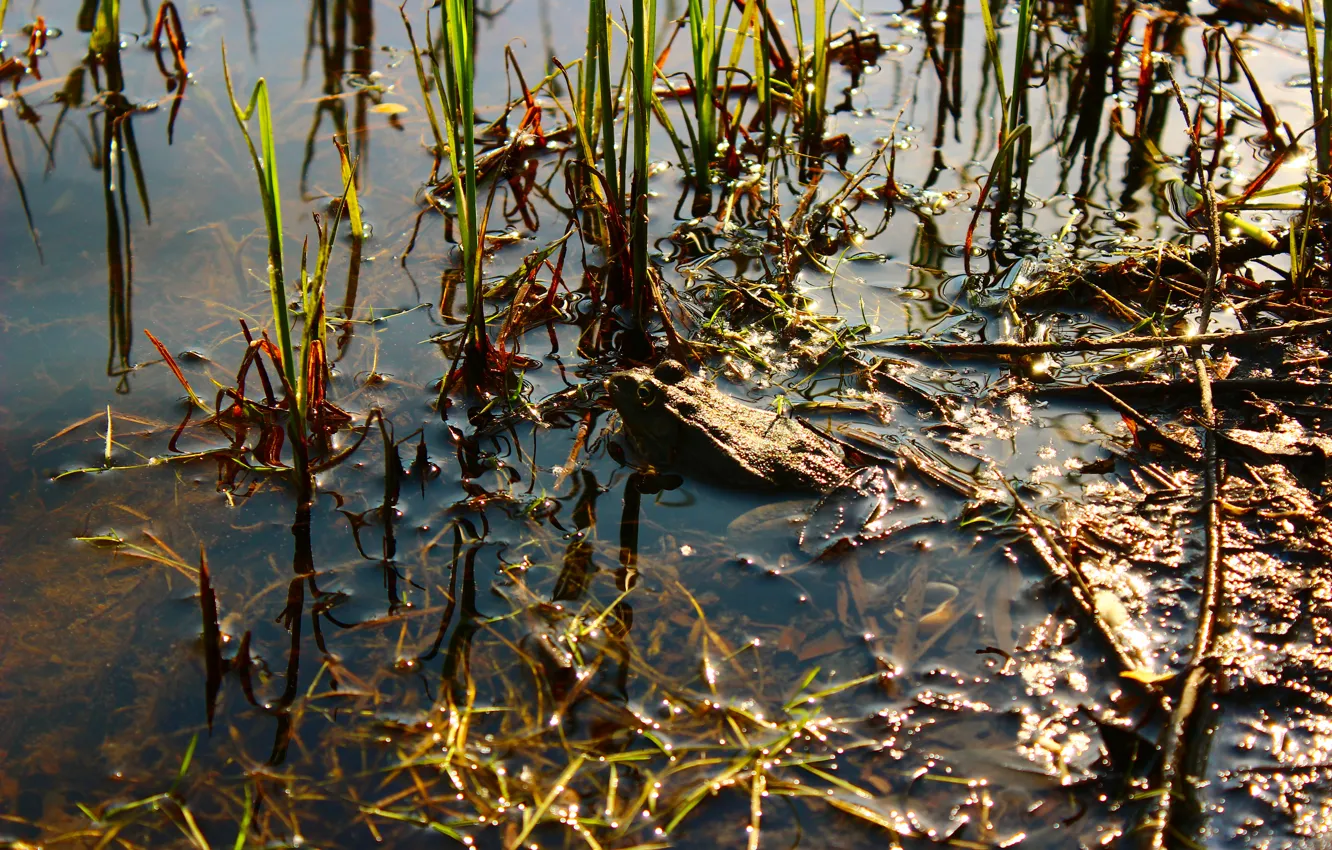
{"x": 1009, "y": 349}
{"x": 1177, "y": 745}
{"x": 1173, "y": 391}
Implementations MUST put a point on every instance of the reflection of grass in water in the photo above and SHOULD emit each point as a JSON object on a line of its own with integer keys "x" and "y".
{"x": 650, "y": 772}
{"x": 550, "y": 717}
{"x": 18, "y": 184}
{"x": 113, "y": 820}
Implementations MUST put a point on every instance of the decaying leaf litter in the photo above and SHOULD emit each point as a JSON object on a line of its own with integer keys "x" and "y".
{"x": 1096, "y": 613}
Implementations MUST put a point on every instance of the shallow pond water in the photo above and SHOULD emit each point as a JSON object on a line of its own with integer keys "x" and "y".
{"x": 494, "y": 630}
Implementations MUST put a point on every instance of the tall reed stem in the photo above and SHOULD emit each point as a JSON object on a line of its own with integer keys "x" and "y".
{"x": 1320, "y": 85}
{"x": 644, "y": 71}
{"x": 599, "y": 26}
{"x": 812, "y": 77}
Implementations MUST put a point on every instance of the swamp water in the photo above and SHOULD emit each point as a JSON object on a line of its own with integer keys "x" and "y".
{"x": 491, "y": 629}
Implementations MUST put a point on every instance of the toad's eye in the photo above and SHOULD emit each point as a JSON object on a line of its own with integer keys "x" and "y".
{"x": 647, "y": 394}
{"x": 670, "y": 372}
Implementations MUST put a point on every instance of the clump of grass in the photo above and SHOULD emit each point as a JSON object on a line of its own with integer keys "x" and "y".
{"x": 455, "y": 92}
{"x": 266, "y": 171}
{"x": 769, "y": 56}
{"x": 811, "y": 91}
{"x": 754, "y": 26}
{"x": 311, "y": 418}
{"x": 705, "y": 36}
{"x": 1014, "y": 138}
{"x": 615, "y": 196}
{"x": 456, "y": 139}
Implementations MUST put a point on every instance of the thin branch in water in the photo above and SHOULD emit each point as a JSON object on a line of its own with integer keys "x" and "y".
{"x": 23, "y": 192}
{"x": 1008, "y": 349}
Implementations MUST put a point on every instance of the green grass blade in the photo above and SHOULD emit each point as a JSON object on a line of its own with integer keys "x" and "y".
{"x": 1325, "y": 79}
{"x": 185, "y": 763}
{"x": 267, "y": 174}
{"x": 606, "y": 96}
{"x": 1025, "y": 15}
{"x": 106, "y": 30}
{"x": 644, "y": 73}
{"x": 819, "y": 99}
{"x": 456, "y": 91}
{"x": 1316, "y": 84}
{"x": 705, "y": 41}
{"x": 350, "y": 200}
